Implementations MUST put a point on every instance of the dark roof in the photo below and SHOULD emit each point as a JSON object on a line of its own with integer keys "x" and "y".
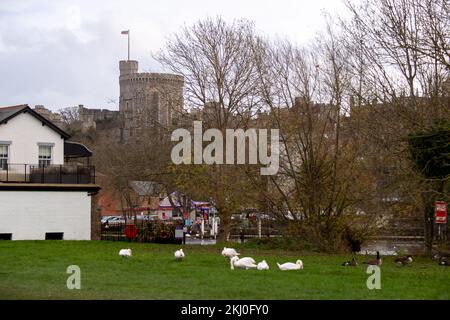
{"x": 76, "y": 150}
{"x": 7, "y": 113}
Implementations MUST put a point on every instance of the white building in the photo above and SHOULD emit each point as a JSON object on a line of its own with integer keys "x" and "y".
{"x": 41, "y": 196}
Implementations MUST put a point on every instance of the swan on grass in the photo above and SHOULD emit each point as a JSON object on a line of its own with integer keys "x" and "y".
{"x": 179, "y": 254}
{"x": 291, "y": 266}
{"x": 244, "y": 263}
{"x": 263, "y": 265}
{"x": 125, "y": 253}
{"x": 229, "y": 252}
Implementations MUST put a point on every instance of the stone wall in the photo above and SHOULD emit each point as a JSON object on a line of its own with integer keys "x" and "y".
{"x": 91, "y": 117}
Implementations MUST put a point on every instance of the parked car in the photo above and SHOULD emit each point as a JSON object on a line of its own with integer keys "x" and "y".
{"x": 116, "y": 220}
{"x": 147, "y": 217}
{"x": 105, "y": 218}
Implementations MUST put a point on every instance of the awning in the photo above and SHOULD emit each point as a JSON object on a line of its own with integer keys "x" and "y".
{"x": 76, "y": 150}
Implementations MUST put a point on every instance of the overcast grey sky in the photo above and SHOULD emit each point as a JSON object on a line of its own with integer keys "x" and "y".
{"x": 65, "y": 53}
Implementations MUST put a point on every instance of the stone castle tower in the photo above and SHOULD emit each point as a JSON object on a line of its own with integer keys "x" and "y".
{"x": 147, "y": 100}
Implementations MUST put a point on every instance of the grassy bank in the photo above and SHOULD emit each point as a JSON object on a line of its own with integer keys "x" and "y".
{"x": 37, "y": 270}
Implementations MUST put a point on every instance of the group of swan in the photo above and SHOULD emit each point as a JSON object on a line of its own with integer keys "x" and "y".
{"x": 235, "y": 262}
{"x": 249, "y": 263}
{"x": 126, "y": 253}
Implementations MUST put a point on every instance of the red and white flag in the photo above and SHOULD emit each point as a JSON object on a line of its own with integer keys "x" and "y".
{"x": 125, "y": 32}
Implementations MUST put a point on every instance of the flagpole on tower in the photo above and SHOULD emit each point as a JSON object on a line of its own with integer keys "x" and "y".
{"x": 127, "y": 32}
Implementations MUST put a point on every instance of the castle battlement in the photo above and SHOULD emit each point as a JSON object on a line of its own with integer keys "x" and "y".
{"x": 152, "y": 77}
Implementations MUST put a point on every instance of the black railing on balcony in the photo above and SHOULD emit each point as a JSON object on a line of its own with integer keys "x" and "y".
{"x": 56, "y": 173}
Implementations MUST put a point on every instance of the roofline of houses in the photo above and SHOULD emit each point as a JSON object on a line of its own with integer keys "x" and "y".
{"x": 26, "y": 109}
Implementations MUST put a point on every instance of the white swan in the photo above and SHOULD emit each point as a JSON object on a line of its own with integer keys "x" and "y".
{"x": 179, "y": 254}
{"x": 291, "y": 266}
{"x": 244, "y": 263}
{"x": 125, "y": 253}
{"x": 263, "y": 265}
{"x": 229, "y": 252}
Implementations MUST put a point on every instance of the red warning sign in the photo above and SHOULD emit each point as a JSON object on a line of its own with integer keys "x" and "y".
{"x": 440, "y": 209}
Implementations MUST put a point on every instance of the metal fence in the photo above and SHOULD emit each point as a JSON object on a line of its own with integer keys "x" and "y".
{"x": 264, "y": 228}
{"x": 163, "y": 231}
{"x": 59, "y": 174}
{"x": 147, "y": 231}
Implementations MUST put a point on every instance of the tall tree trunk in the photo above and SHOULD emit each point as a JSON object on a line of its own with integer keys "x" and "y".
{"x": 428, "y": 206}
{"x": 225, "y": 224}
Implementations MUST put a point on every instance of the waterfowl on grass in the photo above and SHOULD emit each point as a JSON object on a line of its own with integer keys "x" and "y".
{"x": 444, "y": 262}
{"x": 263, "y": 265}
{"x": 179, "y": 254}
{"x": 351, "y": 263}
{"x": 125, "y": 253}
{"x": 291, "y": 266}
{"x": 404, "y": 260}
{"x": 376, "y": 262}
{"x": 229, "y": 252}
{"x": 244, "y": 263}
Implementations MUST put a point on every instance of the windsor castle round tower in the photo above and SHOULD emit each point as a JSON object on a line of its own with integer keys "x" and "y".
{"x": 147, "y": 100}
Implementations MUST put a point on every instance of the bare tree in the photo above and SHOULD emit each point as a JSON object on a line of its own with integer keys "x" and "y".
{"x": 403, "y": 50}
{"x": 216, "y": 61}
{"x": 305, "y": 92}
{"x": 70, "y": 115}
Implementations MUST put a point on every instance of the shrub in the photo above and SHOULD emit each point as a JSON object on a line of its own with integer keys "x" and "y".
{"x": 330, "y": 234}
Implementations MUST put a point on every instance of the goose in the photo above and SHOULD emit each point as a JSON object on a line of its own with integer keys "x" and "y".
{"x": 263, "y": 265}
{"x": 404, "y": 260}
{"x": 179, "y": 254}
{"x": 125, "y": 253}
{"x": 444, "y": 262}
{"x": 229, "y": 252}
{"x": 291, "y": 266}
{"x": 351, "y": 263}
{"x": 244, "y": 263}
{"x": 376, "y": 262}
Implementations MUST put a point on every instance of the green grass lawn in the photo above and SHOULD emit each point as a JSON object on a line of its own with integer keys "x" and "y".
{"x": 37, "y": 270}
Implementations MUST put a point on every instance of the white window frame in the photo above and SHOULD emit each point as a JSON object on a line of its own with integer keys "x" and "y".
{"x": 48, "y": 161}
{"x": 6, "y": 144}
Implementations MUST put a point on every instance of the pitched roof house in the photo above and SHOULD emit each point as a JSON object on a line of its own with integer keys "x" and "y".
{"x": 41, "y": 196}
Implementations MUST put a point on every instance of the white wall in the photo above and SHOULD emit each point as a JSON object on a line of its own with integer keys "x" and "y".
{"x": 28, "y": 215}
{"x": 25, "y": 132}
